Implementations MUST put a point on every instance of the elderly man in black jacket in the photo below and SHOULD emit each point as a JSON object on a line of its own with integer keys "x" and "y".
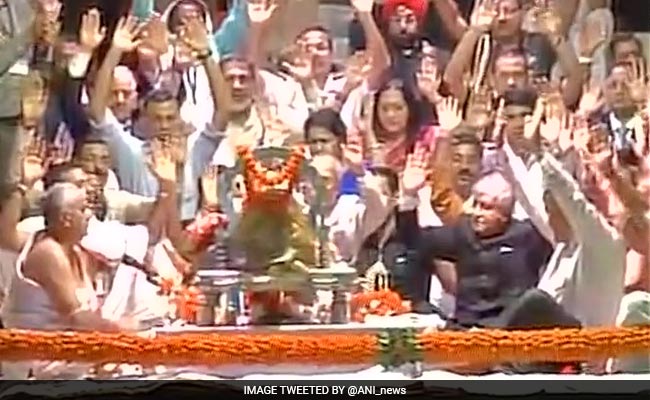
{"x": 497, "y": 258}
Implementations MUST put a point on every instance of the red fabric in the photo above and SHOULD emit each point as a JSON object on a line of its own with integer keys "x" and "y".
{"x": 419, "y": 7}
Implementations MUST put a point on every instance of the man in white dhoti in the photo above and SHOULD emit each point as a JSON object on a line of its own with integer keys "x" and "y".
{"x": 52, "y": 288}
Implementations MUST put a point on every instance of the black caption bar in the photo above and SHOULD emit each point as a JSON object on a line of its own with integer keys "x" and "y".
{"x": 609, "y": 387}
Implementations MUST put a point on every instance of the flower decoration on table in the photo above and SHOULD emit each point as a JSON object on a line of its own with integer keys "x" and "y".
{"x": 273, "y": 233}
{"x": 184, "y": 299}
{"x": 483, "y": 347}
{"x": 378, "y": 303}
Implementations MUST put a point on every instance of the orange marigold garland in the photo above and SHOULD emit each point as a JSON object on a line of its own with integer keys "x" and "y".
{"x": 270, "y": 187}
{"x": 184, "y": 299}
{"x": 479, "y": 347}
{"x": 380, "y": 303}
{"x": 491, "y": 347}
{"x": 187, "y": 303}
{"x": 191, "y": 349}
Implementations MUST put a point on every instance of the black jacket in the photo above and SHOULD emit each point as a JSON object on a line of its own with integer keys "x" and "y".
{"x": 491, "y": 273}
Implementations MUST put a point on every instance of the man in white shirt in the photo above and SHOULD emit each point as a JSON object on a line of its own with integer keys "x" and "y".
{"x": 585, "y": 274}
{"x": 123, "y": 242}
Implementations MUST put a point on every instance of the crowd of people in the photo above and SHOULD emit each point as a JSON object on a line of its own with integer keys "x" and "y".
{"x": 502, "y": 178}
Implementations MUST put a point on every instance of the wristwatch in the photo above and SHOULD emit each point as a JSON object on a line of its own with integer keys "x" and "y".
{"x": 204, "y": 55}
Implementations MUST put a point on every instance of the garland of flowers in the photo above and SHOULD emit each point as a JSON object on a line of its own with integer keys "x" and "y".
{"x": 259, "y": 180}
{"x": 489, "y": 347}
{"x": 203, "y": 228}
{"x": 335, "y": 348}
{"x": 381, "y": 303}
{"x": 191, "y": 349}
{"x": 184, "y": 299}
{"x": 272, "y": 177}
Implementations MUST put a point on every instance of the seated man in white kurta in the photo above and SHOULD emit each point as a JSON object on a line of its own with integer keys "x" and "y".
{"x": 52, "y": 287}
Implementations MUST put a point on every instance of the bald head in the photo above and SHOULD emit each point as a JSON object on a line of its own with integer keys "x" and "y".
{"x": 495, "y": 185}
{"x": 123, "y": 74}
{"x": 60, "y": 198}
{"x": 124, "y": 93}
{"x": 493, "y": 205}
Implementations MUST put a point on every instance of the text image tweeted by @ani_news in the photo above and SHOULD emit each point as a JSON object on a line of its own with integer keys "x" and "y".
{"x": 336, "y": 390}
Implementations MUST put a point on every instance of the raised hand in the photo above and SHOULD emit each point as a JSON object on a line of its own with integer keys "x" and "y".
{"x": 599, "y": 161}
{"x": 414, "y": 176}
{"x": 260, "y": 11}
{"x": 532, "y": 122}
{"x": 161, "y": 162}
{"x": 301, "y": 67}
{"x": 590, "y": 100}
{"x": 91, "y": 31}
{"x": 34, "y": 163}
{"x": 636, "y": 81}
{"x": 499, "y": 124}
{"x": 642, "y": 150}
{"x": 549, "y": 130}
{"x": 47, "y": 25}
{"x": 357, "y": 68}
{"x": 546, "y": 20}
{"x": 33, "y": 99}
{"x": 581, "y": 136}
{"x": 125, "y": 37}
{"x": 155, "y": 36}
{"x": 62, "y": 148}
{"x": 428, "y": 79}
{"x": 449, "y": 113}
{"x": 178, "y": 141}
{"x": 553, "y": 101}
{"x": 639, "y": 127}
{"x": 484, "y": 16}
{"x": 362, "y": 6}
{"x": 209, "y": 183}
{"x": 194, "y": 35}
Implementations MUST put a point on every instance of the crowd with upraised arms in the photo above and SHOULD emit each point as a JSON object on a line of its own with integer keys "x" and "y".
{"x": 492, "y": 155}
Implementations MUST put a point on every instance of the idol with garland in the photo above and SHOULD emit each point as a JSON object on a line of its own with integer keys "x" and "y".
{"x": 272, "y": 231}
{"x": 275, "y": 234}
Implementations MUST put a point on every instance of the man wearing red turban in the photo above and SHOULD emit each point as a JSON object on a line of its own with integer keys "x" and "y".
{"x": 418, "y": 8}
{"x": 404, "y": 18}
